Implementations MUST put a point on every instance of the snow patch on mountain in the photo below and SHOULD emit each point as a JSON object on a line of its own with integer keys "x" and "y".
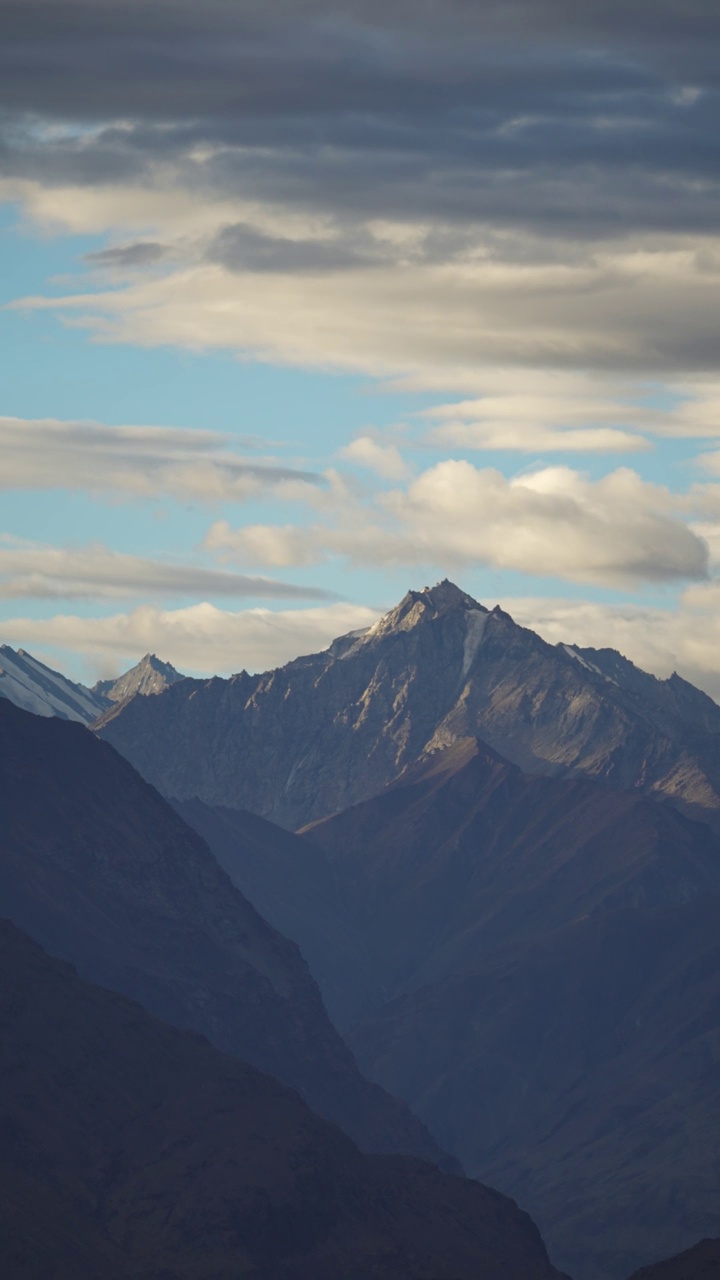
{"x": 31, "y": 685}
{"x": 475, "y": 624}
{"x": 589, "y": 666}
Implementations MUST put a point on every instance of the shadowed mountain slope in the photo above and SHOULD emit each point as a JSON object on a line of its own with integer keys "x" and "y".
{"x": 99, "y": 869}
{"x": 131, "y": 1149}
{"x": 467, "y": 856}
{"x": 582, "y": 1077}
{"x": 699, "y": 1263}
{"x": 294, "y": 885}
{"x": 331, "y": 729}
{"x": 553, "y": 950}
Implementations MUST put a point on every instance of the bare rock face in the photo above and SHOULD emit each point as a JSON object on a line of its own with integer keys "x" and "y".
{"x": 148, "y": 677}
{"x": 331, "y": 729}
{"x": 99, "y": 869}
{"x": 131, "y": 1149}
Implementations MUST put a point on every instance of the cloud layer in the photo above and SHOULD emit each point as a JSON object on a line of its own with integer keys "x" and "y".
{"x": 201, "y": 639}
{"x": 552, "y": 522}
{"x": 137, "y": 461}
{"x": 96, "y": 573}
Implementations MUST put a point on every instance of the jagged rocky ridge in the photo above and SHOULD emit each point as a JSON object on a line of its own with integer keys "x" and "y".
{"x": 131, "y": 1149}
{"x": 328, "y": 730}
{"x": 98, "y": 868}
{"x": 148, "y": 677}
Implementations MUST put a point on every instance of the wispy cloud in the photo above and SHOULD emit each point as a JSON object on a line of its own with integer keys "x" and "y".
{"x": 96, "y": 573}
{"x": 138, "y": 461}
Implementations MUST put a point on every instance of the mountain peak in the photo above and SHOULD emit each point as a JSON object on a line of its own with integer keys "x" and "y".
{"x": 149, "y": 676}
{"x": 424, "y": 606}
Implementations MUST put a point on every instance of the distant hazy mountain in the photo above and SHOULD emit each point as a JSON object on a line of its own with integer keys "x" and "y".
{"x": 34, "y": 687}
{"x": 131, "y": 1149}
{"x": 149, "y": 676}
{"x": 99, "y": 869}
{"x": 333, "y": 728}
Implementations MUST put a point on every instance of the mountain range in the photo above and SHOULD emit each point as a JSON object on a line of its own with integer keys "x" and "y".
{"x": 500, "y": 860}
{"x": 30, "y": 684}
{"x": 331, "y": 729}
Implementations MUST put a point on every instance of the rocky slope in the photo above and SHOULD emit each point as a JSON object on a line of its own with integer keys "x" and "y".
{"x": 131, "y": 1149}
{"x": 328, "y": 730}
{"x": 98, "y": 868}
{"x": 29, "y": 684}
{"x": 148, "y": 677}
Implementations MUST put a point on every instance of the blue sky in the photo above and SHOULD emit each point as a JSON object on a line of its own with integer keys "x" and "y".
{"x": 452, "y": 315}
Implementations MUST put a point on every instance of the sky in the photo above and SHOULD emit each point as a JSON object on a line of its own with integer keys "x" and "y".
{"x": 305, "y": 304}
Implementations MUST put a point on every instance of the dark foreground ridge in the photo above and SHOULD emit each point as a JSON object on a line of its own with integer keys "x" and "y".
{"x": 99, "y": 869}
{"x": 131, "y": 1149}
{"x": 700, "y": 1263}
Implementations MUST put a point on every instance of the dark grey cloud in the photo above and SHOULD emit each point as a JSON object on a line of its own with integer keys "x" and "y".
{"x": 141, "y": 254}
{"x": 242, "y": 248}
{"x": 585, "y": 119}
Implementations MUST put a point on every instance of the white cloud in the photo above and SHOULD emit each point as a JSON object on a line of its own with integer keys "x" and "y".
{"x": 553, "y": 522}
{"x": 138, "y": 461}
{"x": 384, "y": 459}
{"x": 614, "y": 307}
{"x": 38, "y": 572}
{"x": 201, "y": 639}
{"x": 536, "y": 410}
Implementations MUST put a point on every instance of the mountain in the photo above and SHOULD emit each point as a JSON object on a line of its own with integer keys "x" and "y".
{"x": 294, "y": 885}
{"x": 99, "y": 869}
{"x": 536, "y": 972}
{"x": 467, "y": 856}
{"x": 580, "y": 1077}
{"x": 334, "y": 728}
{"x": 149, "y": 676}
{"x": 462, "y": 857}
{"x": 699, "y": 1263}
{"x": 132, "y": 1149}
{"x": 31, "y": 685}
